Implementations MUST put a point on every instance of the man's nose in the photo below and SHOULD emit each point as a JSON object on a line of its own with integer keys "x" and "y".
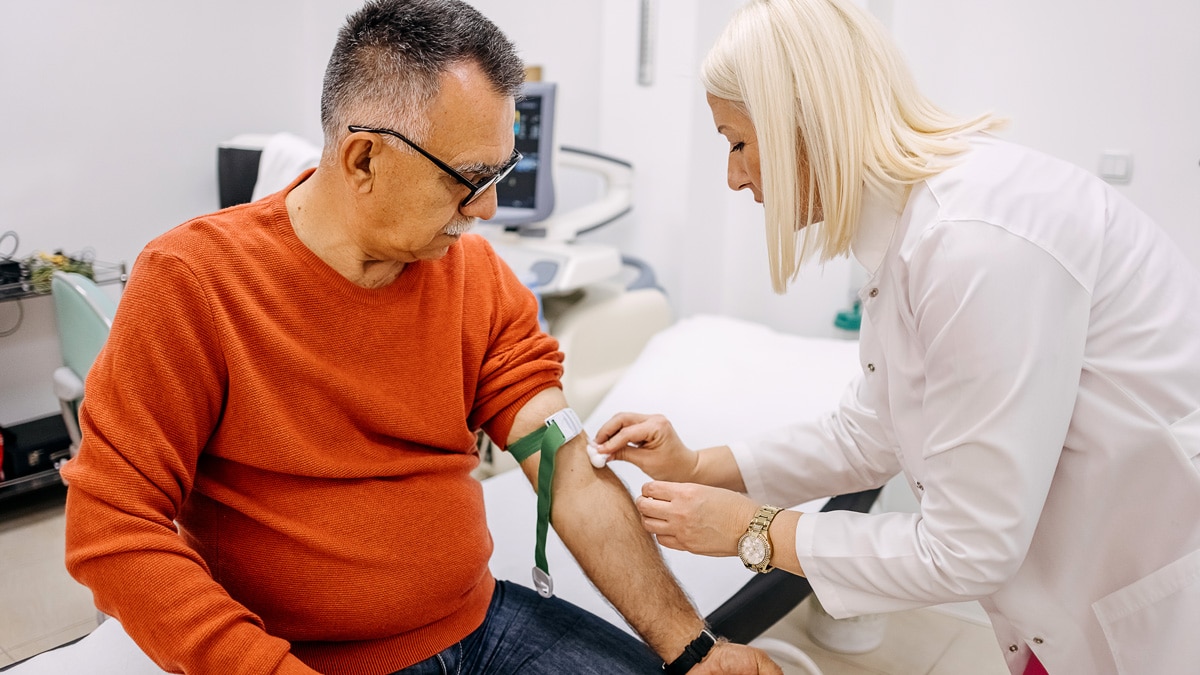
{"x": 484, "y": 206}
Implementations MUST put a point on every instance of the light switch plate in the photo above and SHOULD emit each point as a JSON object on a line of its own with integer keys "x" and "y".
{"x": 1116, "y": 166}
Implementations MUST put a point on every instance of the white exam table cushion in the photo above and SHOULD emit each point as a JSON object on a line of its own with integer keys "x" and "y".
{"x": 717, "y": 379}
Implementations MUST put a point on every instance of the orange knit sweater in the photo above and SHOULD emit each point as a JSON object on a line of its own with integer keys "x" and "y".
{"x": 313, "y": 441}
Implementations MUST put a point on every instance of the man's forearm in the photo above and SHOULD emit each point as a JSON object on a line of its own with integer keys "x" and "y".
{"x": 595, "y": 517}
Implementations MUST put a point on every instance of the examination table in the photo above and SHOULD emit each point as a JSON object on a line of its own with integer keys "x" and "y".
{"x": 717, "y": 379}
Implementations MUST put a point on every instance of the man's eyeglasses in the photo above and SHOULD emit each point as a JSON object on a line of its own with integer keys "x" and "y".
{"x": 477, "y": 187}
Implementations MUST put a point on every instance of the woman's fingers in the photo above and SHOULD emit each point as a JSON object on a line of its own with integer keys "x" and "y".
{"x": 656, "y": 519}
{"x": 615, "y": 424}
{"x": 633, "y": 435}
{"x": 667, "y": 519}
{"x": 627, "y": 452}
{"x": 662, "y": 490}
{"x": 646, "y": 441}
{"x": 696, "y": 518}
{"x": 668, "y": 541}
{"x": 650, "y": 507}
{"x": 632, "y": 430}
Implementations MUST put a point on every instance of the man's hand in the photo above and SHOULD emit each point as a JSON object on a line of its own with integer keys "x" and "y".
{"x": 727, "y": 657}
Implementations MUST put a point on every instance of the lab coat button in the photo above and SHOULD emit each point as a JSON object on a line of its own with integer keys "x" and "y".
{"x": 874, "y": 292}
{"x": 920, "y": 487}
{"x": 871, "y": 367}
{"x": 1012, "y": 648}
{"x": 1038, "y": 640}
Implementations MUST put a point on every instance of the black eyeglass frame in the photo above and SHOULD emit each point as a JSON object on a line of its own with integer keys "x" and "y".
{"x": 477, "y": 189}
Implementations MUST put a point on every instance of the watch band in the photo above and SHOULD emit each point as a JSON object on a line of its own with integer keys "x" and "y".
{"x": 560, "y": 427}
{"x": 692, "y": 654}
{"x": 760, "y": 525}
{"x": 762, "y": 519}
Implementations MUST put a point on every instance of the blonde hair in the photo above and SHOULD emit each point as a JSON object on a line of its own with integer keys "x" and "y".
{"x": 822, "y": 78}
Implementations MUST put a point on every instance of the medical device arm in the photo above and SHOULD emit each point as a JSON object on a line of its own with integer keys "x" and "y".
{"x": 615, "y": 201}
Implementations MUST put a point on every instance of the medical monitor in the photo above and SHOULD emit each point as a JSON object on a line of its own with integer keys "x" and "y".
{"x": 527, "y": 194}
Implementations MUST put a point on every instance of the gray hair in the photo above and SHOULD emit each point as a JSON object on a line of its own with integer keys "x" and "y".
{"x": 386, "y": 65}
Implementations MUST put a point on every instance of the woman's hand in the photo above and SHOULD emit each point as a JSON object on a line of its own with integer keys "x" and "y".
{"x": 695, "y": 518}
{"x": 648, "y": 442}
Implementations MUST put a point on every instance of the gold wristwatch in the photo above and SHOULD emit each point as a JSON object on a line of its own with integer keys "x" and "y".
{"x": 754, "y": 547}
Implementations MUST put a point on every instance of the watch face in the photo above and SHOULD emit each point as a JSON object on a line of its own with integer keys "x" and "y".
{"x": 752, "y": 549}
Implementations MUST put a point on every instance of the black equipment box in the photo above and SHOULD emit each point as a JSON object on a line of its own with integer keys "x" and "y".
{"x": 12, "y": 274}
{"x": 35, "y": 446}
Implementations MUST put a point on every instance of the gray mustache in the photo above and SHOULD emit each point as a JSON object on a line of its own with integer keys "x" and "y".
{"x": 459, "y": 227}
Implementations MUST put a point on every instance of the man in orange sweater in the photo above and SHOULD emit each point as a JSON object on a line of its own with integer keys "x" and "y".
{"x": 279, "y": 433}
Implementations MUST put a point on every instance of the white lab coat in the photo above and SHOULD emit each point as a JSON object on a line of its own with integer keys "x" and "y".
{"x": 1031, "y": 363}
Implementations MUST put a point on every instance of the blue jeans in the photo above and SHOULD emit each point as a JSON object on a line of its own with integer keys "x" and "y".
{"x": 531, "y": 635}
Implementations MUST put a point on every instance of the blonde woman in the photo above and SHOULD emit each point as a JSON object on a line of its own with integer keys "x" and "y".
{"x": 1030, "y": 364}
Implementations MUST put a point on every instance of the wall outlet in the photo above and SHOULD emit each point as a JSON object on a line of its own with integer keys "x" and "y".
{"x": 1116, "y": 166}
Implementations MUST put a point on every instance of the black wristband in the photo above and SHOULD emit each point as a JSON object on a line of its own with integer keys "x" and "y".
{"x": 692, "y": 654}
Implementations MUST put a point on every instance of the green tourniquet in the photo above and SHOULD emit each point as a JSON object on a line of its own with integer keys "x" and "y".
{"x": 548, "y": 439}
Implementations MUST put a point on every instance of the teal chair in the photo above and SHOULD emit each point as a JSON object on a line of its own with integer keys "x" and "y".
{"x": 84, "y": 314}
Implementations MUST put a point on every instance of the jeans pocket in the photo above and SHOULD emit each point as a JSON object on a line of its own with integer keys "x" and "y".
{"x": 1150, "y": 624}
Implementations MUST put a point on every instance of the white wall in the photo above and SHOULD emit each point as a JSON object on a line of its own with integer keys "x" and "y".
{"x": 1077, "y": 77}
{"x": 114, "y": 111}
{"x": 705, "y": 242}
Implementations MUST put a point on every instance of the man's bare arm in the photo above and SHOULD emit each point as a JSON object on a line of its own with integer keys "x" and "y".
{"x": 595, "y": 517}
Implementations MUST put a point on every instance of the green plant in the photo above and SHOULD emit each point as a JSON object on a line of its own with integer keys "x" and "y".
{"x": 41, "y": 268}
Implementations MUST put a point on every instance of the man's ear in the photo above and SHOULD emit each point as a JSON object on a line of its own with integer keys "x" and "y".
{"x": 357, "y": 159}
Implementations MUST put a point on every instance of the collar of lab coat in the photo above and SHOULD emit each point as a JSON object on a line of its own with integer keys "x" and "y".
{"x": 878, "y": 216}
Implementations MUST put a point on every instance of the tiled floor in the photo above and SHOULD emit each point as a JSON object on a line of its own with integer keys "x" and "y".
{"x": 41, "y": 606}
{"x": 917, "y": 642}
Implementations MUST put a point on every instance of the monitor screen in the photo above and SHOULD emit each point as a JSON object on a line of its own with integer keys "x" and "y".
{"x": 527, "y": 194}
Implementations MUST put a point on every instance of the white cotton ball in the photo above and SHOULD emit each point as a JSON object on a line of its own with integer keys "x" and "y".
{"x": 598, "y": 459}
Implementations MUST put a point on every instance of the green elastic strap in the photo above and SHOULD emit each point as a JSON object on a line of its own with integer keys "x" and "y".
{"x": 548, "y": 439}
